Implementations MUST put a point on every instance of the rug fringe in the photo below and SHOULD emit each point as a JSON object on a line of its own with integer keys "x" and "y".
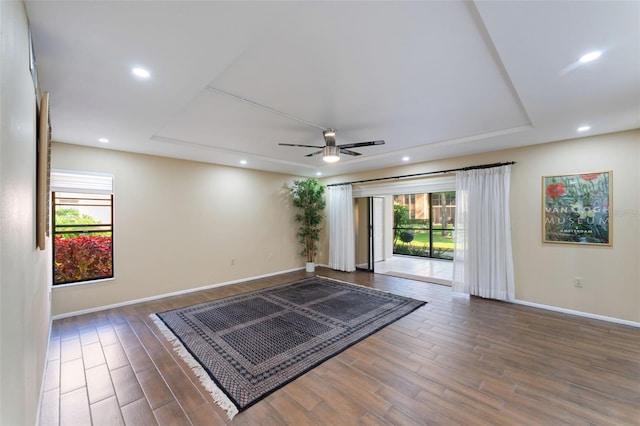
{"x": 219, "y": 397}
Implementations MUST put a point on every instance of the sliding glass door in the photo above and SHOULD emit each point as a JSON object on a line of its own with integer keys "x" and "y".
{"x": 424, "y": 224}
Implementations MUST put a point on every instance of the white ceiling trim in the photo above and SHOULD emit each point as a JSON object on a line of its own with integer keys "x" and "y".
{"x": 173, "y": 141}
{"x": 481, "y": 136}
{"x": 266, "y": 108}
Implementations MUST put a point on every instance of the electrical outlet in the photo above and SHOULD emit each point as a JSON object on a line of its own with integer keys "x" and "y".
{"x": 578, "y": 282}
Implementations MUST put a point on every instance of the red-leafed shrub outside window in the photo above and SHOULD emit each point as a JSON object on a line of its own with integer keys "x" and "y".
{"x": 83, "y": 227}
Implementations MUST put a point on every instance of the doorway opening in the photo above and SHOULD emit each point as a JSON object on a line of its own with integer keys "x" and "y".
{"x": 407, "y": 235}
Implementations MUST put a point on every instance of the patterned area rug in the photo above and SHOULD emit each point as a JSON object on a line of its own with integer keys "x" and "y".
{"x": 247, "y": 346}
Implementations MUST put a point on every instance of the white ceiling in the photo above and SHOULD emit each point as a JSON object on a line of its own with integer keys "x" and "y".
{"x": 230, "y": 80}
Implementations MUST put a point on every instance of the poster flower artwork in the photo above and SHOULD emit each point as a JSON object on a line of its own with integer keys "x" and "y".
{"x": 576, "y": 208}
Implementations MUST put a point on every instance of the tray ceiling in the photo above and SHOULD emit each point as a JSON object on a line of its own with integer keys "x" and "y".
{"x": 231, "y": 80}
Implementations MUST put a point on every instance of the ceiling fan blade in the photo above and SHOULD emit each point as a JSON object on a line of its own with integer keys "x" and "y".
{"x": 330, "y": 140}
{"x": 303, "y": 146}
{"x": 358, "y": 144}
{"x": 349, "y": 152}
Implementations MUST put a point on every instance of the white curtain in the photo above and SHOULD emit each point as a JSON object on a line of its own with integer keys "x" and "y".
{"x": 483, "y": 262}
{"x": 342, "y": 251}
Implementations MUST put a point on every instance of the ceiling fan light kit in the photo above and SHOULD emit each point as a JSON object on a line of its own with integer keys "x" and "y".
{"x": 331, "y": 154}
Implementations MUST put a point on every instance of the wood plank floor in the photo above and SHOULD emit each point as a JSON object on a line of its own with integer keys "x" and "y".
{"x": 456, "y": 360}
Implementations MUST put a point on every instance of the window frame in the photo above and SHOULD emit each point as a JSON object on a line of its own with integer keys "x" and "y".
{"x": 428, "y": 198}
{"x": 72, "y": 183}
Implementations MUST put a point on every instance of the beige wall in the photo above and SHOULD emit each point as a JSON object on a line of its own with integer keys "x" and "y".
{"x": 24, "y": 292}
{"x": 237, "y": 214}
{"x": 180, "y": 225}
{"x": 545, "y": 273}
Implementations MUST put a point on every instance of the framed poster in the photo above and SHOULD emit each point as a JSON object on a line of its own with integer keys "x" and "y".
{"x": 576, "y": 209}
{"x": 43, "y": 172}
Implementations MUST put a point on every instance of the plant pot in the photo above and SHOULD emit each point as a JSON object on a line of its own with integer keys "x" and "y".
{"x": 311, "y": 266}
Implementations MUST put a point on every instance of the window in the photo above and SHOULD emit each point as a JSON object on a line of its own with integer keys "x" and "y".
{"x": 424, "y": 224}
{"x": 82, "y": 222}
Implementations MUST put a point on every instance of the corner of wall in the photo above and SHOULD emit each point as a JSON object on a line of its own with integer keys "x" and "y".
{"x": 24, "y": 291}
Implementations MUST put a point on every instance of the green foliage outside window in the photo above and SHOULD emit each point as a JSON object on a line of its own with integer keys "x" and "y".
{"x": 80, "y": 255}
{"x": 400, "y": 218}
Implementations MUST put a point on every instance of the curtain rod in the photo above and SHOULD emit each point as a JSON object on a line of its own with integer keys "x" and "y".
{"x": 480, "y": 166}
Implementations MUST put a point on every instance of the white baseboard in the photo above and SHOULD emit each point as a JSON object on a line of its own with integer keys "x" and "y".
{"x": 578, "y": 313}
{"x": 175, "y": 293}
{"x": 44, "y": 370}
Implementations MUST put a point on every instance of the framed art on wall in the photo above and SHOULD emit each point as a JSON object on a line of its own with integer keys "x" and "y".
{"x": 43, "y": 172}
{"x": 576, "y": 208}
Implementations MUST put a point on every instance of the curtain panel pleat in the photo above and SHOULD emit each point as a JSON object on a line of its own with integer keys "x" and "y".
{"x": 342, "y": 254}
{"x": 483, "y": 262}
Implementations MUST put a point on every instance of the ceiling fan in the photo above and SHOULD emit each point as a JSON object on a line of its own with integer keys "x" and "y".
{"x": 331, "y": 151}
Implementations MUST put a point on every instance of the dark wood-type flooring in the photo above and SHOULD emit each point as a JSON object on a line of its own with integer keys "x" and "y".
{"x": 456, "y": 360}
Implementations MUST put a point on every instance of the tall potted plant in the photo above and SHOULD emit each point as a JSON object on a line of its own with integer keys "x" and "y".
{"x": 308, "y": 196}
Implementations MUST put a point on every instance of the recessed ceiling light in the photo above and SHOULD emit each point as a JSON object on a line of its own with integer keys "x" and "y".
{"x": 140, "y": 72}
{"x": 103, "y": 140}
{"x": 405, "y": 158}
{"x": 318, "y": 173}
{"x": 243, "y": 162}
{"x": 591, "y": 56}
{"x": 583, "y": 128}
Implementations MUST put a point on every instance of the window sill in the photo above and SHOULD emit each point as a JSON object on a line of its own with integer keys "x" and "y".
{"x": 79, "y": 283}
